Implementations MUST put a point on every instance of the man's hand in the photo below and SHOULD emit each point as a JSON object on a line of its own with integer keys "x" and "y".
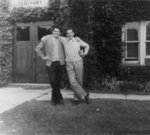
{"x": 81, "y": 53}
{"x": 46, "y": 58}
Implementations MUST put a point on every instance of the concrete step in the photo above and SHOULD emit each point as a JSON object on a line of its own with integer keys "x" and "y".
{"x": 30, "y": 85}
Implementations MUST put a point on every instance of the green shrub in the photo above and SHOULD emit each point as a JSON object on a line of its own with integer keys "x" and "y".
{"x": 139, "y": 74}
{"x": 131, "y": 87}
{"x": 111, "y": 83}
{"x": 6, "y": 39}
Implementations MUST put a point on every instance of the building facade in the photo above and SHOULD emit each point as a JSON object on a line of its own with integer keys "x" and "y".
{"x": 27, "y": 67}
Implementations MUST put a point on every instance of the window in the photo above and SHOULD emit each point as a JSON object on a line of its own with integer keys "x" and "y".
{"x": 136, "y": 36}
{"x": 131, "y": 41}
{"x": 23, "y": 33}
{"x": 43, "y": 30}
{"x": 147, "y": 39}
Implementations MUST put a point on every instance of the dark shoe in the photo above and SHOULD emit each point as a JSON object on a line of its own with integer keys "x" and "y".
{"x": 87, "y": 99}
{"x": 53, "y": 103}
{"x": 75, "y": 102}
{"x": 60, "y": 102}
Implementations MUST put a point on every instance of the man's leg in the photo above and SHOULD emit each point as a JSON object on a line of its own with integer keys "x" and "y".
{"x": 51, "y": 74}
{"x": 76, "y": 87}
{"x": 79, "y": 75}
{"x": 79, "y": 71}
{"x": 58, "y": 83}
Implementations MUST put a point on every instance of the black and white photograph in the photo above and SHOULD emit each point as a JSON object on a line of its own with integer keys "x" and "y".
{"x": 74, "y": 67}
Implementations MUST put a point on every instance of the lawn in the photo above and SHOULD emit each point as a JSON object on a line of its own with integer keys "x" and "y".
{"x": 102, "y": 117}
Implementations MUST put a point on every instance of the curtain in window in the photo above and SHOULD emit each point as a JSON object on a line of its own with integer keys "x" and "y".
{"x": 131, "y": 40}
{"x": 148, "y": 31}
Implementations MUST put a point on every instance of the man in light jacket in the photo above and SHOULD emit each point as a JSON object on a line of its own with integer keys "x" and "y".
{"x": 54, "y": 60}
{"x": 74, "y": 64}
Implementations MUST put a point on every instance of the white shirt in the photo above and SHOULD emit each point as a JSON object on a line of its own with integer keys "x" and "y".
{"x": 55, "y": 52}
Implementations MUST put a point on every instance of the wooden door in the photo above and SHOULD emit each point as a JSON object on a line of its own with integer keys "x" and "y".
{"x": 23, "y": 53}
{"x": 42, "y": 29}
{"x": 28, "y": 67}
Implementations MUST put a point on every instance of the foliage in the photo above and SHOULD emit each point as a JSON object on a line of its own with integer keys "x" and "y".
{"x": 108, "y": 18}
{"x": 111, "y": 83}
{"x": 5, "y": 44}
{"x": 140, "y": 74}
{"x": 131, "y": 87}
{"x": 31, "y": 14}
{"x": 35, "y": 14}
{"x": 135, "y": 78}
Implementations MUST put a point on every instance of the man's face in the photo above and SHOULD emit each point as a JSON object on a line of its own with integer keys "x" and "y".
{"x": 70, "y": 34}
{"x": 56, "y": 32}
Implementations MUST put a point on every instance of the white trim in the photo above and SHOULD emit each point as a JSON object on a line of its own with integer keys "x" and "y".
{"x": 142, "y": 49}
{"x": 133, "y": 25}
{"x": 141, "y": 27}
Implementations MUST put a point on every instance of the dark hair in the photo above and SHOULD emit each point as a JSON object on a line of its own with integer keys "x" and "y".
{"x": 55, "y": 27}
{"x": 69, "y": 29}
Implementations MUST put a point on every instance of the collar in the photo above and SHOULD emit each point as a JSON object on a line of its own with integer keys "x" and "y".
{"x": 73, "y": 39}
{"x": 54, "y": 37}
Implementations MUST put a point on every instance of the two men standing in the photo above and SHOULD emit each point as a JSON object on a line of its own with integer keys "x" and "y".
{"x": 58, "y": 50}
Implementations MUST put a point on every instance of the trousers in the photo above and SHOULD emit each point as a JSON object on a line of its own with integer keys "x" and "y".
{"x": 75, "y": 76}
{"x": 54, "y": 73}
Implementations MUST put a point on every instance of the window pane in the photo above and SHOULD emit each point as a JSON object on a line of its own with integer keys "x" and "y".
{"x": 132, "y": 50}
{"x": 43, "y": 30}
{"x": 147, "y": 48}
{"x": 132, "y": 35}
{"x": 23, "y": 33}
{"x": 148, "y": 31}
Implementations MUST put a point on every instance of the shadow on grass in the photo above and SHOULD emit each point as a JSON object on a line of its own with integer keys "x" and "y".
{"x": 102, "y": 117}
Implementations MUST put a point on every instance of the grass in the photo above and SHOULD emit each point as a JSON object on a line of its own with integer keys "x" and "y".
{"x": 102, "y": 117}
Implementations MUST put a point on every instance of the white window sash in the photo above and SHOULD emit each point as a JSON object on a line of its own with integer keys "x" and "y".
{"x": 128, "y": 26}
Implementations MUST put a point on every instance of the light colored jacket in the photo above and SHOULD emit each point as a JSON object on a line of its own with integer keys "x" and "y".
{"x": 73, "y": 48}
{"x": 47, "y": 44}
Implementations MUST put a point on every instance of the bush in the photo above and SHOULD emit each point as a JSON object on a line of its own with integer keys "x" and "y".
{"x": 139, "y": 74}
{"x": 6, "y": 39}
{"x": 131, "y": 87}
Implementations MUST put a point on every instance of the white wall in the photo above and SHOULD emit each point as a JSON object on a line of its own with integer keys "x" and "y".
{"x": 29, "y": 3}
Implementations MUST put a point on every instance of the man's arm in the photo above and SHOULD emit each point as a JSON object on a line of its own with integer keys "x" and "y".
{"x": 63, "y": 40}
{"x": 39, "y": 48}
{"x": 84, "y": 45}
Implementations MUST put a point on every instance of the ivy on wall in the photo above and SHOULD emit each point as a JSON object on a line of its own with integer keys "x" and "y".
{"x": 98, "y": 22}
{"x": 5, "y": 44}
{"x": 109, "y": 17}
{"x": 35, "y": 14}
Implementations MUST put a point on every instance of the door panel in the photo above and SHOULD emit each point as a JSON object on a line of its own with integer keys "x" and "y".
{"x": 42, "y": 29}
{"x": 23, "y": 54}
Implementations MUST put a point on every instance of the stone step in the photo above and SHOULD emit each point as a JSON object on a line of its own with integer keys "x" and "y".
{"x": 30, "y": 85}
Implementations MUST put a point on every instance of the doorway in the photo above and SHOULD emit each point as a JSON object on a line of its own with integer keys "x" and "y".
{"x": 27, "y": 66}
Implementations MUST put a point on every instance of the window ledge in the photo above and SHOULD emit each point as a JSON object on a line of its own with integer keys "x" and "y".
{"x": 130, "y": 64}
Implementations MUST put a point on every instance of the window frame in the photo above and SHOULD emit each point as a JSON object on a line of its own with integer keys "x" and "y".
{"x": 146, "y": 41}
{"x": 125, "y": 28}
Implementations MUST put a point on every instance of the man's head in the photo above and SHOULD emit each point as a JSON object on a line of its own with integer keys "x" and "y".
{"x": 56, "y": 31}
{"x": 70, "y": 33}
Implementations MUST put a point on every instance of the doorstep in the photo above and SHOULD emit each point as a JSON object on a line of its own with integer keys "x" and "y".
{"x": 27, "y": 84}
